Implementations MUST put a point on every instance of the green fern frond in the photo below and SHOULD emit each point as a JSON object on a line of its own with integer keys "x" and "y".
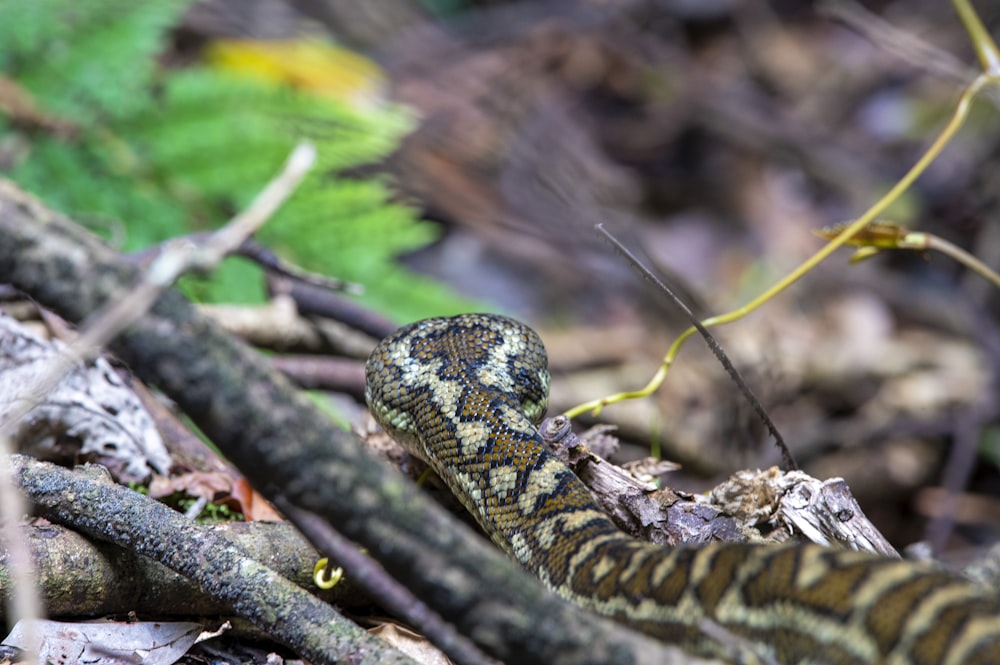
{"x": 86, "y": 60}
{"x": 160, "y": 154}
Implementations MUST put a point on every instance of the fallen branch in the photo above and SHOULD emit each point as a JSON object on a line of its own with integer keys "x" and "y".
{"x": 81, "y": 577}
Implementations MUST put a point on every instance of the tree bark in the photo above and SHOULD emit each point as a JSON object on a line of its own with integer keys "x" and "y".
{"x": 80, "y": 577}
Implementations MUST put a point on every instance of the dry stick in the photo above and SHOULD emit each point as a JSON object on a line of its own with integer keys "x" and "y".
{"x": 261, "y": 255}
{"x": 788, "y": 460}
{"x": 229, "y": 238}
{"x": 311, "y": 300}
{"x": 182, "y": 257}
{"x": 286, "y": 446}
{"x": 272, "y": 263}
{"x": 24, "y": 602}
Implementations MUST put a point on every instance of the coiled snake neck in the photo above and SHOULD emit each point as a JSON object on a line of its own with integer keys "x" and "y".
{"x": 465, "y": 394}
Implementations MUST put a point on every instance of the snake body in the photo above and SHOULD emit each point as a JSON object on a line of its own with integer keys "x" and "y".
{"x": 465, "y": 394}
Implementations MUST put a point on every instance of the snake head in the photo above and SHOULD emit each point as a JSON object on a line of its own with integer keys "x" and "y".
{"x": 416, "y": 375}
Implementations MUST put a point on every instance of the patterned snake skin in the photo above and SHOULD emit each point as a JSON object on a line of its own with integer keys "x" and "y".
{"x": 464, "y": 394}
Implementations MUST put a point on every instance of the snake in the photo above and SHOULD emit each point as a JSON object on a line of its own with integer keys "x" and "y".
{"x": 465, "y": 394}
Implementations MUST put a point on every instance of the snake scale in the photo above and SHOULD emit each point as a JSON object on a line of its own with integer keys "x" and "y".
{"x": 465, "y": 394}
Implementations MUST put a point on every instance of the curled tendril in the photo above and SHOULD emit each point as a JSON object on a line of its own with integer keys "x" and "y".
{"x": 324, "y": 577}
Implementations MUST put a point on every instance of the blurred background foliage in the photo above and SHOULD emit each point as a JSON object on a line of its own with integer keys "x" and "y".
{"x": 142, "y": 150}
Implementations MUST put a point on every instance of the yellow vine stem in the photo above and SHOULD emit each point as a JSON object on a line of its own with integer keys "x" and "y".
{"x": 984, "y": 45}
{"x": 879, "y": 236}
{"x": 954, "y": 124}
{"x": 324, "y": 577}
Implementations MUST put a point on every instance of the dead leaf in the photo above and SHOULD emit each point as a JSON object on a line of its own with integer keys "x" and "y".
{"x": 253, "y": 506}
{"x": 105, "y": 643}
{"x": 414, "y": 645}
{"x": 91, "y": 411}
{"x": 209, "y": 485}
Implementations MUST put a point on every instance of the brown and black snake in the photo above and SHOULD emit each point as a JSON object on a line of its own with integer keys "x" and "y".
{"x": 465, "y": 393}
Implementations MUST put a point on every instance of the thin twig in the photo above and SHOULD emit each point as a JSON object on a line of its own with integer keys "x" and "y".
{"x": 24, "y": 603}
{"x": 963, "y": 257}
{"x": 786, "y": 455}
{"x": 183, "y": 257}
{"x": 229, "y": 238}
{"x": 273, "y": 264}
